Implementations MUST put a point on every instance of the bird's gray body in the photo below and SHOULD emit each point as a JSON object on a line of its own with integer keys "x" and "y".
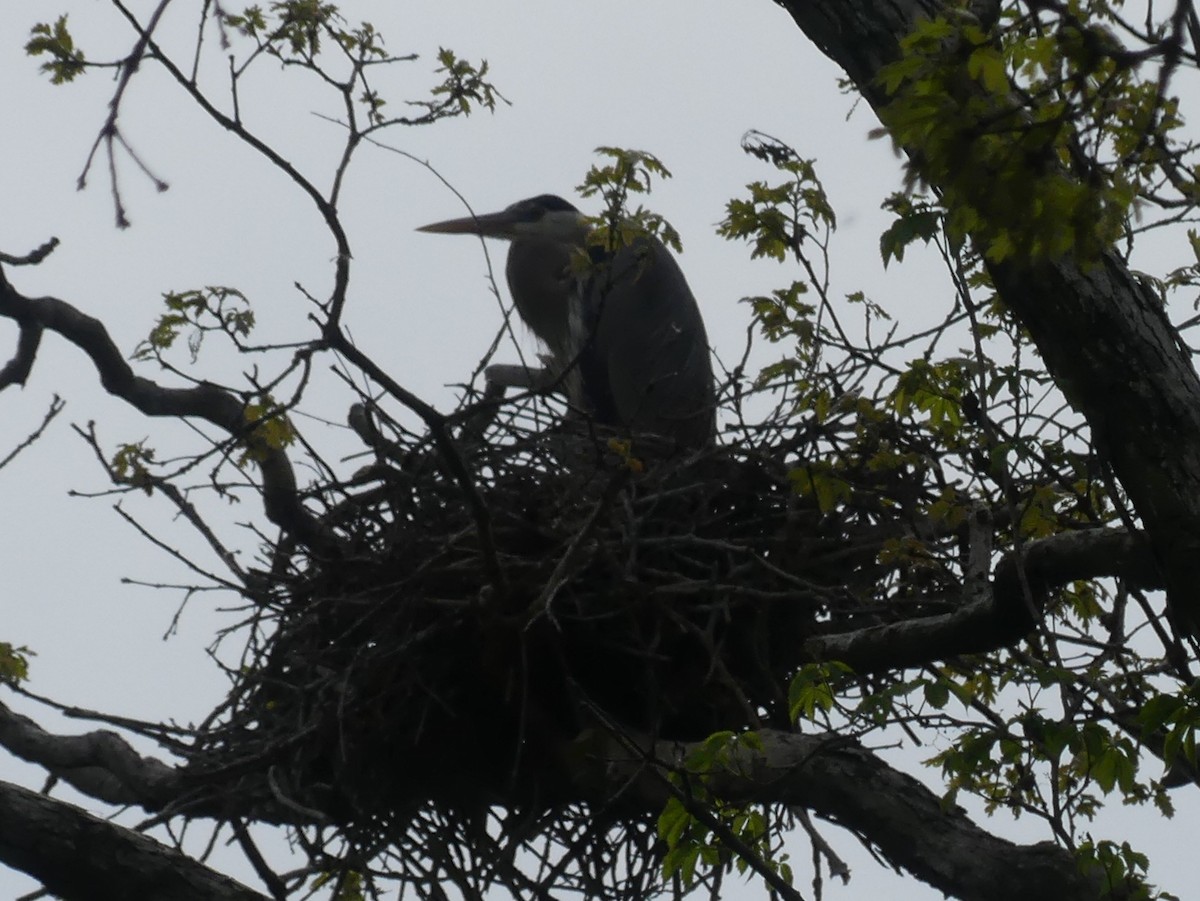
{"x": 627, "y": 338}
{"x": 646, "y": 364}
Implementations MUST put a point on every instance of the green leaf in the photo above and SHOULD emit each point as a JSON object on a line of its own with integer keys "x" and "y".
{"x": 918, "y": 224}
{"x": 937, "y": 694}
{"x": 131, "y": 465}
{"x": 813, "y": 689}
{"x": 14, "y": 663}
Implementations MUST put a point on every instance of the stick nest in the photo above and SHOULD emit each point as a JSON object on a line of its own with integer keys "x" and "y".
{"x": 443, "y": 663}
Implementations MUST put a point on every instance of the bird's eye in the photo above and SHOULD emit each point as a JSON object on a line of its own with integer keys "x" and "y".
{"x": 527, "y": 212}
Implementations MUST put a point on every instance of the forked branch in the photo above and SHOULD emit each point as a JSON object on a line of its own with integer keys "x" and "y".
{"x": 203, "y": 401}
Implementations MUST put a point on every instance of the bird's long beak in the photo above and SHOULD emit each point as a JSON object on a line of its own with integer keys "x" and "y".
{"x": 490, "y": 225}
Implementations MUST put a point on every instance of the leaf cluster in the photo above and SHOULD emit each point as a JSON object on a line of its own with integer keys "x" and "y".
{"x": 299, "y": 33}
{"x": 694, "y": 844}
{"x": 465, "y": 85}
{"x": 629, "y": 172}
{"x": 194, "y": 314}
{"x": 270, "y": 428}
{"x": 14, "y": 663}
{"x": 1040, "y": 133}
{"x": 777, "y": 218}
{"x": 66, "y": 61}
{"x": 131, "y": 464}
{"x": 293, "y": 28}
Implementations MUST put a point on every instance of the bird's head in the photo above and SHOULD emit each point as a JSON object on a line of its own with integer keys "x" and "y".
{"x": 545, "y": 217}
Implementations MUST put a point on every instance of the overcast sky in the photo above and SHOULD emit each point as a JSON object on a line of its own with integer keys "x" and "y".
{"x": 683, "y": 79}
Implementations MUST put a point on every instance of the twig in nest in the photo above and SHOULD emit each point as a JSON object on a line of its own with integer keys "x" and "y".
{"x": 558, "y": 578}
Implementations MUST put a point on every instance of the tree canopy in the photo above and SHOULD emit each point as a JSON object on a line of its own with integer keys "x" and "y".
{"x": 491, "y": 646}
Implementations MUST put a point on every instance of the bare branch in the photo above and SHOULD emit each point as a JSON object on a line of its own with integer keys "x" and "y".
{"x": 56, "y": 407}
{"x": 32, "y": 258}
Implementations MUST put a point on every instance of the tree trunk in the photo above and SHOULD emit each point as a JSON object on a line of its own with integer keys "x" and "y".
{"x": 1103, "y": 334}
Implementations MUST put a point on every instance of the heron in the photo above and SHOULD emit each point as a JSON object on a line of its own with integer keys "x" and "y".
{"x": 625, "y": 338}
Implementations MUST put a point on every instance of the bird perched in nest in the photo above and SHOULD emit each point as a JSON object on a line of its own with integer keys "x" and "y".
{"x": 625, "y": 337}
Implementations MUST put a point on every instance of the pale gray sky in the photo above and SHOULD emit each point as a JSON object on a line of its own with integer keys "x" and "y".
{"x": 683, "y": 79}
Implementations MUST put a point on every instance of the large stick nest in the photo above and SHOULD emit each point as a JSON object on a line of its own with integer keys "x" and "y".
{"x": 465, "y": 637}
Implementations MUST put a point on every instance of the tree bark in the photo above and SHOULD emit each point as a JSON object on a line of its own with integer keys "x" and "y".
{"x": 841, "y": 781}
{"x": 1009, "y": 608}
{"x": 1102, "y": 333}
{"x": 79, "y": 857}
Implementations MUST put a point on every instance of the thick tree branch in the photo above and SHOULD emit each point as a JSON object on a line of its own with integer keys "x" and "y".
{"x": 833, "y": 777}
{"x": 100, "y": 764}
{"x": 80, "y": 857}
{"x": 16, "y": 371}
{"x": 847, "y": 784}
{"x": 1103, "y": 334}
{"x": 1005, "y": 614}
